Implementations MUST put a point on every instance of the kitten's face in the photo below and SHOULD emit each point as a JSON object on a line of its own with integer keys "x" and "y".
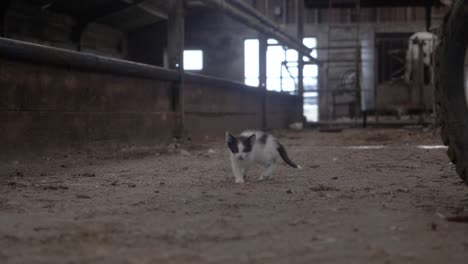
{"x": 240, "y": 147}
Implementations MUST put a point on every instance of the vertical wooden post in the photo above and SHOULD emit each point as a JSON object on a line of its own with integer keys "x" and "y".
{"x": 428, "y": 8}
{"x": 420, "y": 78}
{"x": 263, "y": 46}
{"x": 358, "y": 107}
{"x": 358, "y": 92}
{"x": 376, "y": 81}
{"x": 300, "y": 68}
{"x": 175, "y": 55}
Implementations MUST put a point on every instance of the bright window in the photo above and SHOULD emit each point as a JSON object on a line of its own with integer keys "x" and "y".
{"x": 282, "y": 71}
{"x": 281, "y": 66}
{"x": 193, "y": 60}
{"x": 251, "y": 62}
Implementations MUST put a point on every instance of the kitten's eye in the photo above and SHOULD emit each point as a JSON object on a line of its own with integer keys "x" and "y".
{"x": 233, "y": 147}
{"x": 247, "y": 148}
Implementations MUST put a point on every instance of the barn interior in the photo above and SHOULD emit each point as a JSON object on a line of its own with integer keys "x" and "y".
{"x": 113, "y": 127}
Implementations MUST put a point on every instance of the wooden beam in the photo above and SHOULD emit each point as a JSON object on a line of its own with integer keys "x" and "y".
{"x": 419, "y": 78}
{"x": 175, "y": 55}
{"x": 428, "y": 16}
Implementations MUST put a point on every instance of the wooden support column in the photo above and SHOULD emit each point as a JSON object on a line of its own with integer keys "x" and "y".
{"x": 300, "y": 76}
{"x": 428, "y": 8}
{"x": 175, "y": 55}
{"x": 358, "y": 107}
{"x": 419, "y": 70}
{"x": 376, "y": 81}
{"x": 263, "y": 45}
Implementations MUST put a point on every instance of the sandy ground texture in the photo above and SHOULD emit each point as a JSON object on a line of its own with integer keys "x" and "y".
{"x": 349, "y": 204}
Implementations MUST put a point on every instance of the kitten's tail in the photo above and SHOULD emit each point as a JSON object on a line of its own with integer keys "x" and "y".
{"x": 284, "y": 156}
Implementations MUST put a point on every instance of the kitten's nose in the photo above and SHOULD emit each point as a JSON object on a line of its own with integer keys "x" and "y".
{"x": 241, "y": 158}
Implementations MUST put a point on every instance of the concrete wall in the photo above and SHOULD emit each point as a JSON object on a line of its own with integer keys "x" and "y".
{"x": 44, "y": 107}
{"x": 212, "y": 109}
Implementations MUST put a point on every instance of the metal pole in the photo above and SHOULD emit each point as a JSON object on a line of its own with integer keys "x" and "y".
{"x": 283, "y": 64}
{"x": 45, "y": 55}
{"x": 263, "y": 78}
{"x": 175, "y": 51}
{"x": 327, "y": 70}
{"x": 300, "y": 67}
{"x": 36, "y": 53}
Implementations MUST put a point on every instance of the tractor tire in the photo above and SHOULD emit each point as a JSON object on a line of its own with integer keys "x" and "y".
{"x": 449, "y": 82}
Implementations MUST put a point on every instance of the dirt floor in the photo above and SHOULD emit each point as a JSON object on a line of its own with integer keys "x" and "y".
{"x": 349, "y": 204}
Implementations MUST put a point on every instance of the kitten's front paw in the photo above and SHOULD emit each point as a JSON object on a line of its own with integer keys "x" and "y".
{"x": 239, "y": 181}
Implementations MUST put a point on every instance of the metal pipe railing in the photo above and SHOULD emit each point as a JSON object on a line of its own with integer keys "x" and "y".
{"x": 25, "y": 51}
{"x": 40, "y": 54}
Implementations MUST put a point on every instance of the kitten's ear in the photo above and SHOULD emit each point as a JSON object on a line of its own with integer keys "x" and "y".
{"x": 229, "y": 138}
{"x": 231, "y": 143}
{"x": 252, "y": 138}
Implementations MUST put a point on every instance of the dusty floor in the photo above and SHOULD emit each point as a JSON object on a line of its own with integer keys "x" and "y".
{"x": 348, "y": 205}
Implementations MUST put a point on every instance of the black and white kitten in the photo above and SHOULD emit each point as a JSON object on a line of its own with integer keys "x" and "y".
{"x": 255, "y": 147}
